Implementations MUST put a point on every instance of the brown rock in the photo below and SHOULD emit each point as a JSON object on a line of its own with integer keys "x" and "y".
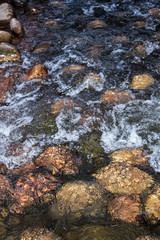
{"x": 64, "y": 103}
{"x": 53, "y": 24}
{"x": 6, "y": 84}
{"x": 16, "y": 27}
{"x": 93, "y": 80}
{"x": 9, "y": 52}
{"x": 147, "y": 238}
{"x": 37, "y": 71}
{"x": 97, "y": 24}
{"x": 123, "y": 179}
{"x": 142, "y": 81}
{"x": 121, "y": 39}
{"x": 129, "y": 156}
{"x": 6, "y": 14}
{"x": 42, "y": 47}
{"x": 125, "y": 209}
{"x": 154, "y": 12}
{"x": 3, "y": 168}
{"x": 139, "y": 24}
{"x": 73, "y": 68}
{"x": 24, "y": 169}
{"x": 139, "y": 51}
{"x": 5, "y": 36}
{"x": 94, "y": 52}
{"x": 32, "y": 10}
{"x": 116, "y": 96}
{"x": 58, "y": 159}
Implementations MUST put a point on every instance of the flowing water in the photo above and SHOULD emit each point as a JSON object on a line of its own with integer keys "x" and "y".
{"x": 26, "y": 121}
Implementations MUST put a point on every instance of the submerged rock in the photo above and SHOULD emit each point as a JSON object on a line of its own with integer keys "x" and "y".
{"x": 123, "y": 179}
{"x": 92, "y": 80}
{"x": 97, "y": 24}
{"x": 139, "y": 24}
{"x": 142, "y": 81}
{"x": 42, "y": 47}
{"x": 54, "y": 24}
{"x": 139, "y": 51}
{"x": 59, "y": 5}
{"x": 37, "y": 71}
{"x": 155, "y": 12}
{"x": 5, "y": 36}
{"x": 73, "y": 68}
{"x": 16, "y": 27}
{"x": 148, "y": 238}
{"x": 9, "y": 52}
{"x": 116, "y": 96}
{"x": 6, "y": 14}
{"x": 6, "y": 84}
{"x": 121, "y": 39}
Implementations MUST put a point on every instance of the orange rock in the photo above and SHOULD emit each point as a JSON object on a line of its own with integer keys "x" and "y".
{"x": 6, "y": 84}
{"x": 125, "y": 209}
{"x": 116, "y": 96}
{"x": 64, "y": 103}
{"x": 154, "y": 12}
{"x": 142, "y": 81}
{"x": 15, "y": 150}
{"x": 147, "y": 238}
{"x": 97, "y": 24}
{"x": 53, "y": 24}
{"x": 139, "y": 51}
{"x": 121, "y": 39}
{"x": 37, "y": 71}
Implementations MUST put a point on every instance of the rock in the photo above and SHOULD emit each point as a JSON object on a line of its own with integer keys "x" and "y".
{"x": 5, "y": 189}
{"x": 24, "y": 169}
{"x": 116, "y": 96}
{"x": 3, "y": 213}
{"x": 13, "y": 221}
{"x": 73, "y": 68}
{"x": 39, "y": 234}
{"x": 6, "y": 14}
{"x": 59, "y": 159}
{"x": 3, "y": 168}
{"x": 152, "y": 205}
{"x": 139, "y": 51}
{"x": 59, "y": 5}
{"x": 129, "y": 156}
{"x": 30, "y": 187}
{"x": 42, "y": 47}
{"x": 139, "y": 24}
{"x": 6, "y": 84}
{"x": 16, "y": 27}
{"x": 121, "y": 40}
{"x": 123, "y": 179}
{"x": 125, "y": 208}
{"x": 37, "y": 71}
{"x": 147, "y": 238}
{"x": 155, "y": 12}
{"x": 157, "y": 36}
{"x": 3, "y": 231}
{"x": 92, "y": 81}
{"x": 19, "y": 3}
{"x": 94, "y": 52}
{"x": 32, "y": 10}
{"x": 53, "y": 24}
{"x": 64, "y": 103}
{"x": 9, "y": 52}
{"x": 97, "y": 24}
{"x": 142, "y": 81}
{"x": 5, "y": 36}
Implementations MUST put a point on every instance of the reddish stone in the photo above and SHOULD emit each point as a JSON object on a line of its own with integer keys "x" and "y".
{"x": 6, "y": 84}
{"x": 37, "y": 71}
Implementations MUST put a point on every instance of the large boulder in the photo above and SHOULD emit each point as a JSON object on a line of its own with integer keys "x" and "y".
{"x": 9, "y": 52}
{"x": 6, "y": 14}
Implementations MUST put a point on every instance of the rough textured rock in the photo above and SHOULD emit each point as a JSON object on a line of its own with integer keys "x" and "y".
{"x": 125, "y": 208}
{"x": 123, "y": 179}
{"x": 24, "y": 169}
{"x": 19, "y": 3}
{"x": 97, "y": 24}
{"x": 42, "y": 47}
{"x": 152, "y": 205}
{"x": 147, "y": 238}
{"x": 3, "y": 168}
{"x": 9, "y": 52}
{"x": 16, "y": 27}
{"x": 59, "y": 159}
{"x": 6, "y": 14}
{"x": 5, "y": 189}
{"x": 142, "y": 81}
{"x": 54, "y": 24}
{"x": 5, "y": 36}
{"x": 121, "y": 39}
{"x": 73, "y": 68}
{"x": 39, "y": 234}
{"x": 129, "y": 156}
{"x": 116, "y": 96}
{"x": 6, "y": 84}
{"x": 37, "y": 71}
{"x": 92, "y": 80}
{"x": 139, "y": 51}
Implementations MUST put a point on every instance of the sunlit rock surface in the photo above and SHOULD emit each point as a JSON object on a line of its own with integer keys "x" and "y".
{"x": 116, "y": 96}
{"x": 37, "y": 71}
{"x": 123, "y": 179}
{"x": 97, "y": 24}
{"x": 92, "y": 80}
{"x": 6, "y": 14}
{"x": 16, "y": 27}
{"x": 9, "y": 52}
{"x": 125, "y": 208}
{"x": 129, "y": 156}
{"x": 59, "y": 159}
{"x": 5, "y": 36}
{"x": 142, "y": 81}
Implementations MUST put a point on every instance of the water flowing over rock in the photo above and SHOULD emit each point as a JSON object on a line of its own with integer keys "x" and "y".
{"x": 116, "y": 96}
{"x": 6, "y": 14}
{"x": 97, "y": 24}
{"x": 5, "y": 189}
{"x": 5, "y": 36}
{"x": 42, "y": 47}
{"x": 142, "y": 81}
{"x": 123, "y": 179}
{"x": 92, "y": 80}
{"x": 37, "y": 71}
{"x": 9, "y": 52}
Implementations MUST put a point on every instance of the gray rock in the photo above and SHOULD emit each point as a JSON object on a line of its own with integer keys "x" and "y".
{"x": 9, "y": 52}
{"x": 6, "y": 14}
{"x": 16, "y": 27}
{"x": 5, "y": 36}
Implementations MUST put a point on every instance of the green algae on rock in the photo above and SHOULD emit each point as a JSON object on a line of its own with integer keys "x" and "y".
{"x": 8, "y": 52}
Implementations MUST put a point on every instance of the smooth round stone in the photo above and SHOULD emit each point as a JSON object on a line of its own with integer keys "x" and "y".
{"x": 6, "y": 14}
{"x": 9, "y": 52}
{"x": 16, "y": 27}
{"x": 5, "y": 36}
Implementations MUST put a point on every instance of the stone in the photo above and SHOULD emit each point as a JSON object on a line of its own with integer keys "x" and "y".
{"x": 16, "y": 27}
{"x": 24, "y": 169}
{"x": 59, "y": 159}
{"x": 3, "y": 231}
{"x": 63, "y": 103}
{"x": 97, "y": 24}
{"x": 116, "y": 96}
{"x": 142, "y": 81}
{"x": 73, "y": 68}
{"x": 42, "y": 47}
{"x": 152, "y": 205}
{"x": 129, "y": 156}
{"x": 121, "y": 40}
{"x": 139, "y": 51}
{"x": 36, "y": 72}
{"x": 5, "y": 36}
{"x": 123, "y": 179}
{"x": 59, "y": 5}
{"x": 155, "y": 12}
{"x": 19, "y": 3}
{"x": 93, "y": 80}
{"x": 139, "y": 24}
{"x": 32, "y": 10}
{"x": 39, "y": 234}
{"x": 3, "y": 168}
{"x": 6, "y": 14}
{"x": 53, "y": 24}
{"x": 125, "y": 208}
{"x": 9, "y": 52}
{"x": 6, "y": 84}
{"x": 5, "y": 189}
{"x": 147, "y": 238}
{"x": 94, "y": 52}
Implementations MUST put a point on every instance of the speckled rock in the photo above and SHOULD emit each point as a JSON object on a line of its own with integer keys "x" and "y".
{"x": 125, "y": 208}
{"x": 97, "y": 24}
{"x": 123, "y": 179}
{"x": 16, "y": 27}
{"x": 36, "y": 72}
{"x": 121, "y": 40}
{"x": 116, "y": 96}
{"x": 92, "y": 81}
{"x": 6, "y": 84}
{"x": 129, "y": 156}
{"x": 142, "y": 81}
{"x": 5, "y": 36}
{"x": 6, "y": 14}
{"x": 19, "y": 3}
{"x": 42, "y": 47}
{"x": 39, "y": 234}
{"x": 9, "y": 52}
{"x": 59, "y": 159}
{"x": 147, "y": 238}
{"x": 152, "y": 205}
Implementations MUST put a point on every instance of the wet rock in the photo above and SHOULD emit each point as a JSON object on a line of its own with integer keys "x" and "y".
{"x": 142, "y": 81}
{"x": 3, "y": 231}
{"x": 59, "y": 5}
{"x": 3, "y": 213}
{"x": 9, "y": 52}
{"x": 125, "y": 208}
{"x": 152, "y": 205}
{"x": 39, "y": 234}
{"x": 139, "y": 24}
{"x": 19, "y": 3}
{"x": 23, "y": 169}
{"x": 121, "y": 40}
{"x": 54, "y": 24}
{"x": 94, "y": 52}
{"x": 42, "y": 47}
{"x": 64, "y": 103}
{"x": 147, "y": 238}
{"x": 15, "y": 150}
{"x": 32, "y": 10}
{"x": 16, "y": 27}
{"x": 5, "y": 189}
{"x": 139, "y": 51}
{"x": 36, "y": 72}
{"x": 123, "y": 179}
{"x": 155, "y": 12}
{"x": 73, "y": 69}
{"x": 116, "y": 96}
{"x": 129, "y": 156}
{"x": 59, "y": 159}
{"x": 3, "y": 168}
{"x": 29, "y": 188}
{"x": 157, "y": 36}
{"x": 6, "y": 14}
{"x": 6, "y": 84}
{"x": 97, "y": 24}
{"x": 5, "y": 36}
{"x": 92, "y": 80}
